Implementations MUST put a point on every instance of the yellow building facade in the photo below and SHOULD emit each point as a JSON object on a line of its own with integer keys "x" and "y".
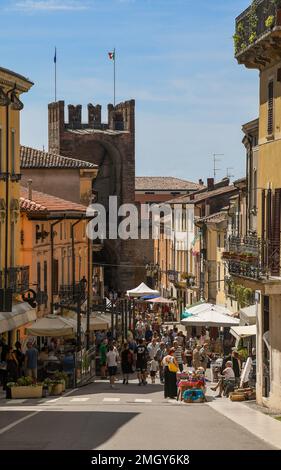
{"x": 13, "y": 277}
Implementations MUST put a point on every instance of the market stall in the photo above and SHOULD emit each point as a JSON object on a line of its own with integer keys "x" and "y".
{"x": 141, "y": 291}
{"x": 191, "y": 386}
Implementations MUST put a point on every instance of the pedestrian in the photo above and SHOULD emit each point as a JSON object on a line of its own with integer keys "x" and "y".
{"x": 112, "y": 360}
{"x": 127, "y": 359}
{"x": 195, "y": 358}
{"x": 103, "y": 352}
{"x": 153, "y": 348}
{"x": 141, "y": 361}
{"x": 228, "y": 377}
{"x": 180, "y": 338}
{"x": 20, "y": 358}
{"x": 12, "y": 367}
{"x": 236, "y": 365}
{"x": 153, "y": 369}
{"x": 148, "y": 334}
{"x": 204, "y": 356}
{"x": 179, "y": 355}
{"x": 31, "y": 356}
{"x": 170, "y": 374}
{"x": 161, "y": 353}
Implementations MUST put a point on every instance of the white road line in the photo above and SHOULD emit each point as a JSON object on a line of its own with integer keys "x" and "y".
{"x": 15, "y": 423}
{"x": 111, "y": 399}
{"x": 16, "y": 401}
{"x": 80, "y": 399}
{"x": 142, "y": 400}
{"x": 54, "y": 400}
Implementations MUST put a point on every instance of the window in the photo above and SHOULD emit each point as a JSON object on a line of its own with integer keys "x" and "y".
{"x": 1, "y": 153}
{"x": 60, "y": 231}
{"x": 13, "y": 152}
{"x": 39, "y": 275}
{"x": 255, "y": 188}
{"x": 12, "y": 246}
{"x": 55, "y": 276}
{"x": 270, "y": 108}
{"x": 218, "y": 240}
{"x": 45, "y": 279}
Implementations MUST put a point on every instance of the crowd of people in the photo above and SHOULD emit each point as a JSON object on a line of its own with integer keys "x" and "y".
{"x": 150, "y": 350}
{"x": 33, "y": 362}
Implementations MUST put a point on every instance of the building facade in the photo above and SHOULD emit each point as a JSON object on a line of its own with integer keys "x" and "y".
{"x": 258, "y": 46}
{"x": 14, "y": 276}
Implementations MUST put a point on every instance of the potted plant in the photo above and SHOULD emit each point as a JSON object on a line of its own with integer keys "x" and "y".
{"x": 26, "y": 388}
{"x": 57, "y": 387}
{"x": 63, "y": 377}
{"x": 47, "y": 385}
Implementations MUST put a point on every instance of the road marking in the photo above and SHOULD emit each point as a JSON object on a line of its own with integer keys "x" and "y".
{"x": 142, "y": 400}
{"x": 111, "y": 399}
{"x": 15, "y": 423}
{"x": 80, "y": 399}
{"x": 16, "y": 402}
{"x": 54, "y": 400}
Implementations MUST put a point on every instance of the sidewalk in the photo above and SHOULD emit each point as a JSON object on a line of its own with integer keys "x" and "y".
{"x": 255, "y": 421}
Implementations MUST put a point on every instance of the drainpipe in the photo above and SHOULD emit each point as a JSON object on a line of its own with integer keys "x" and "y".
{"x": 52, "y": 264}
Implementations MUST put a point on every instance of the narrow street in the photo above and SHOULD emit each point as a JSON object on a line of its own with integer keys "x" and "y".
{"x": 130, "y": 417}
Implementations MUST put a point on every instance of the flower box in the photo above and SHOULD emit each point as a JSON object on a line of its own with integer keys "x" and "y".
{"x": 57, "y": 389}
{"x": 30, "y": 391}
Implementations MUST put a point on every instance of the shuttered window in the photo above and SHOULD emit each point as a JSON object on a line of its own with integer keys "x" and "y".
{"x": 0, "y": 150}
{"x": 270, "y": 108}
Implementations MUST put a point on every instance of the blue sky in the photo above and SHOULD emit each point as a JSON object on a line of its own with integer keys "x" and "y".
{"x": 175, "y": 57}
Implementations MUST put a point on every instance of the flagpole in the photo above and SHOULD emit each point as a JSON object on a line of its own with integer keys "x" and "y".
{"x": 55, "y": 75}
{"x": 114, "y": 58}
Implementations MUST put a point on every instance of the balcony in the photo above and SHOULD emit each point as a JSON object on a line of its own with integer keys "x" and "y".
{"x": 70, "y": 293}
{"x": 17, "y": 279}
{"x": 257, "y": 37}
{"x": 253, "y": 258}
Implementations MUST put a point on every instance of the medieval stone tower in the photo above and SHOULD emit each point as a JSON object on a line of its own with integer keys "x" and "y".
{"x": 112, "y": 147}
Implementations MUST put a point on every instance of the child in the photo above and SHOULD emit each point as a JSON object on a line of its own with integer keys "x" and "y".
{"x": 154, "y": 367}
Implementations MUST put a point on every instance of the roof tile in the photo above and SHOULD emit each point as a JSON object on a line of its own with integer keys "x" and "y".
{"x": 47, "y": 202}
{"x": 34, "y": 158}
{"x": 164, "y": 183}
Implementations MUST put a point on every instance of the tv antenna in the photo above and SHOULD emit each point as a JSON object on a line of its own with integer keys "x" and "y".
{"x": 216, "y": 160}
{"x": 228, "y": 172}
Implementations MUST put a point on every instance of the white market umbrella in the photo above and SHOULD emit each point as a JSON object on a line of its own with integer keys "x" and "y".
{"x": 53, "y": 325}
{"x": 142, "y": 290}
{"x": 209, "y": 315}
{"x": 96, "y": 322}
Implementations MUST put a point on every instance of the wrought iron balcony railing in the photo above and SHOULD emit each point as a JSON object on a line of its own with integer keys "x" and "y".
{"x": 255, "y": 22}
{"x": 17, "y": 279}
{"x": 72, "y": 293}
{"x": 253, "y": 257}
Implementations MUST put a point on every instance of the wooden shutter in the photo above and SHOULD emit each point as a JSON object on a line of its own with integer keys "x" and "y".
{"x": 270, "y": 108}
{"x": 39, "y": 276}
{"x": 275, "y": 241}
{"x": 55, "y": 276}
{"x": 45, "y": 280}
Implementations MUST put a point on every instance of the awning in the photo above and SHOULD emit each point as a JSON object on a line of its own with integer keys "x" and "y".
{"x": 159, "y": 300}
{"x": 96, "y": 322}
{"x": 248, "y": 315}
{"x": 240, "y": 332}
{"x": 21, "y": 314}
{"x": 53, "y": 325}
{"x": 142, "y": 290}
{"x": 210, "y": 316}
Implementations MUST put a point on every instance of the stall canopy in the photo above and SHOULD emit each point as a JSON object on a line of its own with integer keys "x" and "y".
{"x": 240, "y": 332}
{"x": 142, "y": 290}
{"x": 159, "y": 300}
{"x": 53, "y": 325}
{"x": 21, "y": 314}
{"x": 209, "y": 315}
{"x": 248, "y": 315}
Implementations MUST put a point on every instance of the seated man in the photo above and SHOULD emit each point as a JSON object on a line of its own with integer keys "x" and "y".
{"x": 227, "y": 379}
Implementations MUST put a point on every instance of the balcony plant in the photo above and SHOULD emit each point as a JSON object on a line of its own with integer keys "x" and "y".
{"x": 25, "y": 388}
{"x": 270, "y": 21}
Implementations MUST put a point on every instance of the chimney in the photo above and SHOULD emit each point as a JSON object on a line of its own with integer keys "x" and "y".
{"x": 210, "y": 184}
{"x": 29, "y": 183}
{"x": 201, "y": 182}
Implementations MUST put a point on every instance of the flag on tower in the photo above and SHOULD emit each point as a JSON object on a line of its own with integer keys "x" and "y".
{"x": 111, "y": 55}
{"x": 55, "y": 56}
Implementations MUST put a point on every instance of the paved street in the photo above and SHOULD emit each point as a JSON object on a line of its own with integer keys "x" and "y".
{"x": 130, "y": 417}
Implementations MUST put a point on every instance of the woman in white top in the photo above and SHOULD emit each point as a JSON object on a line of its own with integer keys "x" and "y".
{"x": 111, "y": 359}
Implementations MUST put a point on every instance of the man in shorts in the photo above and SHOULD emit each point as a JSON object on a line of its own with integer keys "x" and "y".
{"x": 141, "y": 361}
{"x": 112, "y": 360}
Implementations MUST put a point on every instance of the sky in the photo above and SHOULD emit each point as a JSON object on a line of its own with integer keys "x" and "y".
{"x": 174, "y": 57}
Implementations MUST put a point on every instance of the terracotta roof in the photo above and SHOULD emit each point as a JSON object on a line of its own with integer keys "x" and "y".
{"x": 165, "y": 183}
{"x": 214, "y": 218}
{"x": 47, "y": 202}
{"x": 199, "y": 196}
{"x": 34, "y": 158}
